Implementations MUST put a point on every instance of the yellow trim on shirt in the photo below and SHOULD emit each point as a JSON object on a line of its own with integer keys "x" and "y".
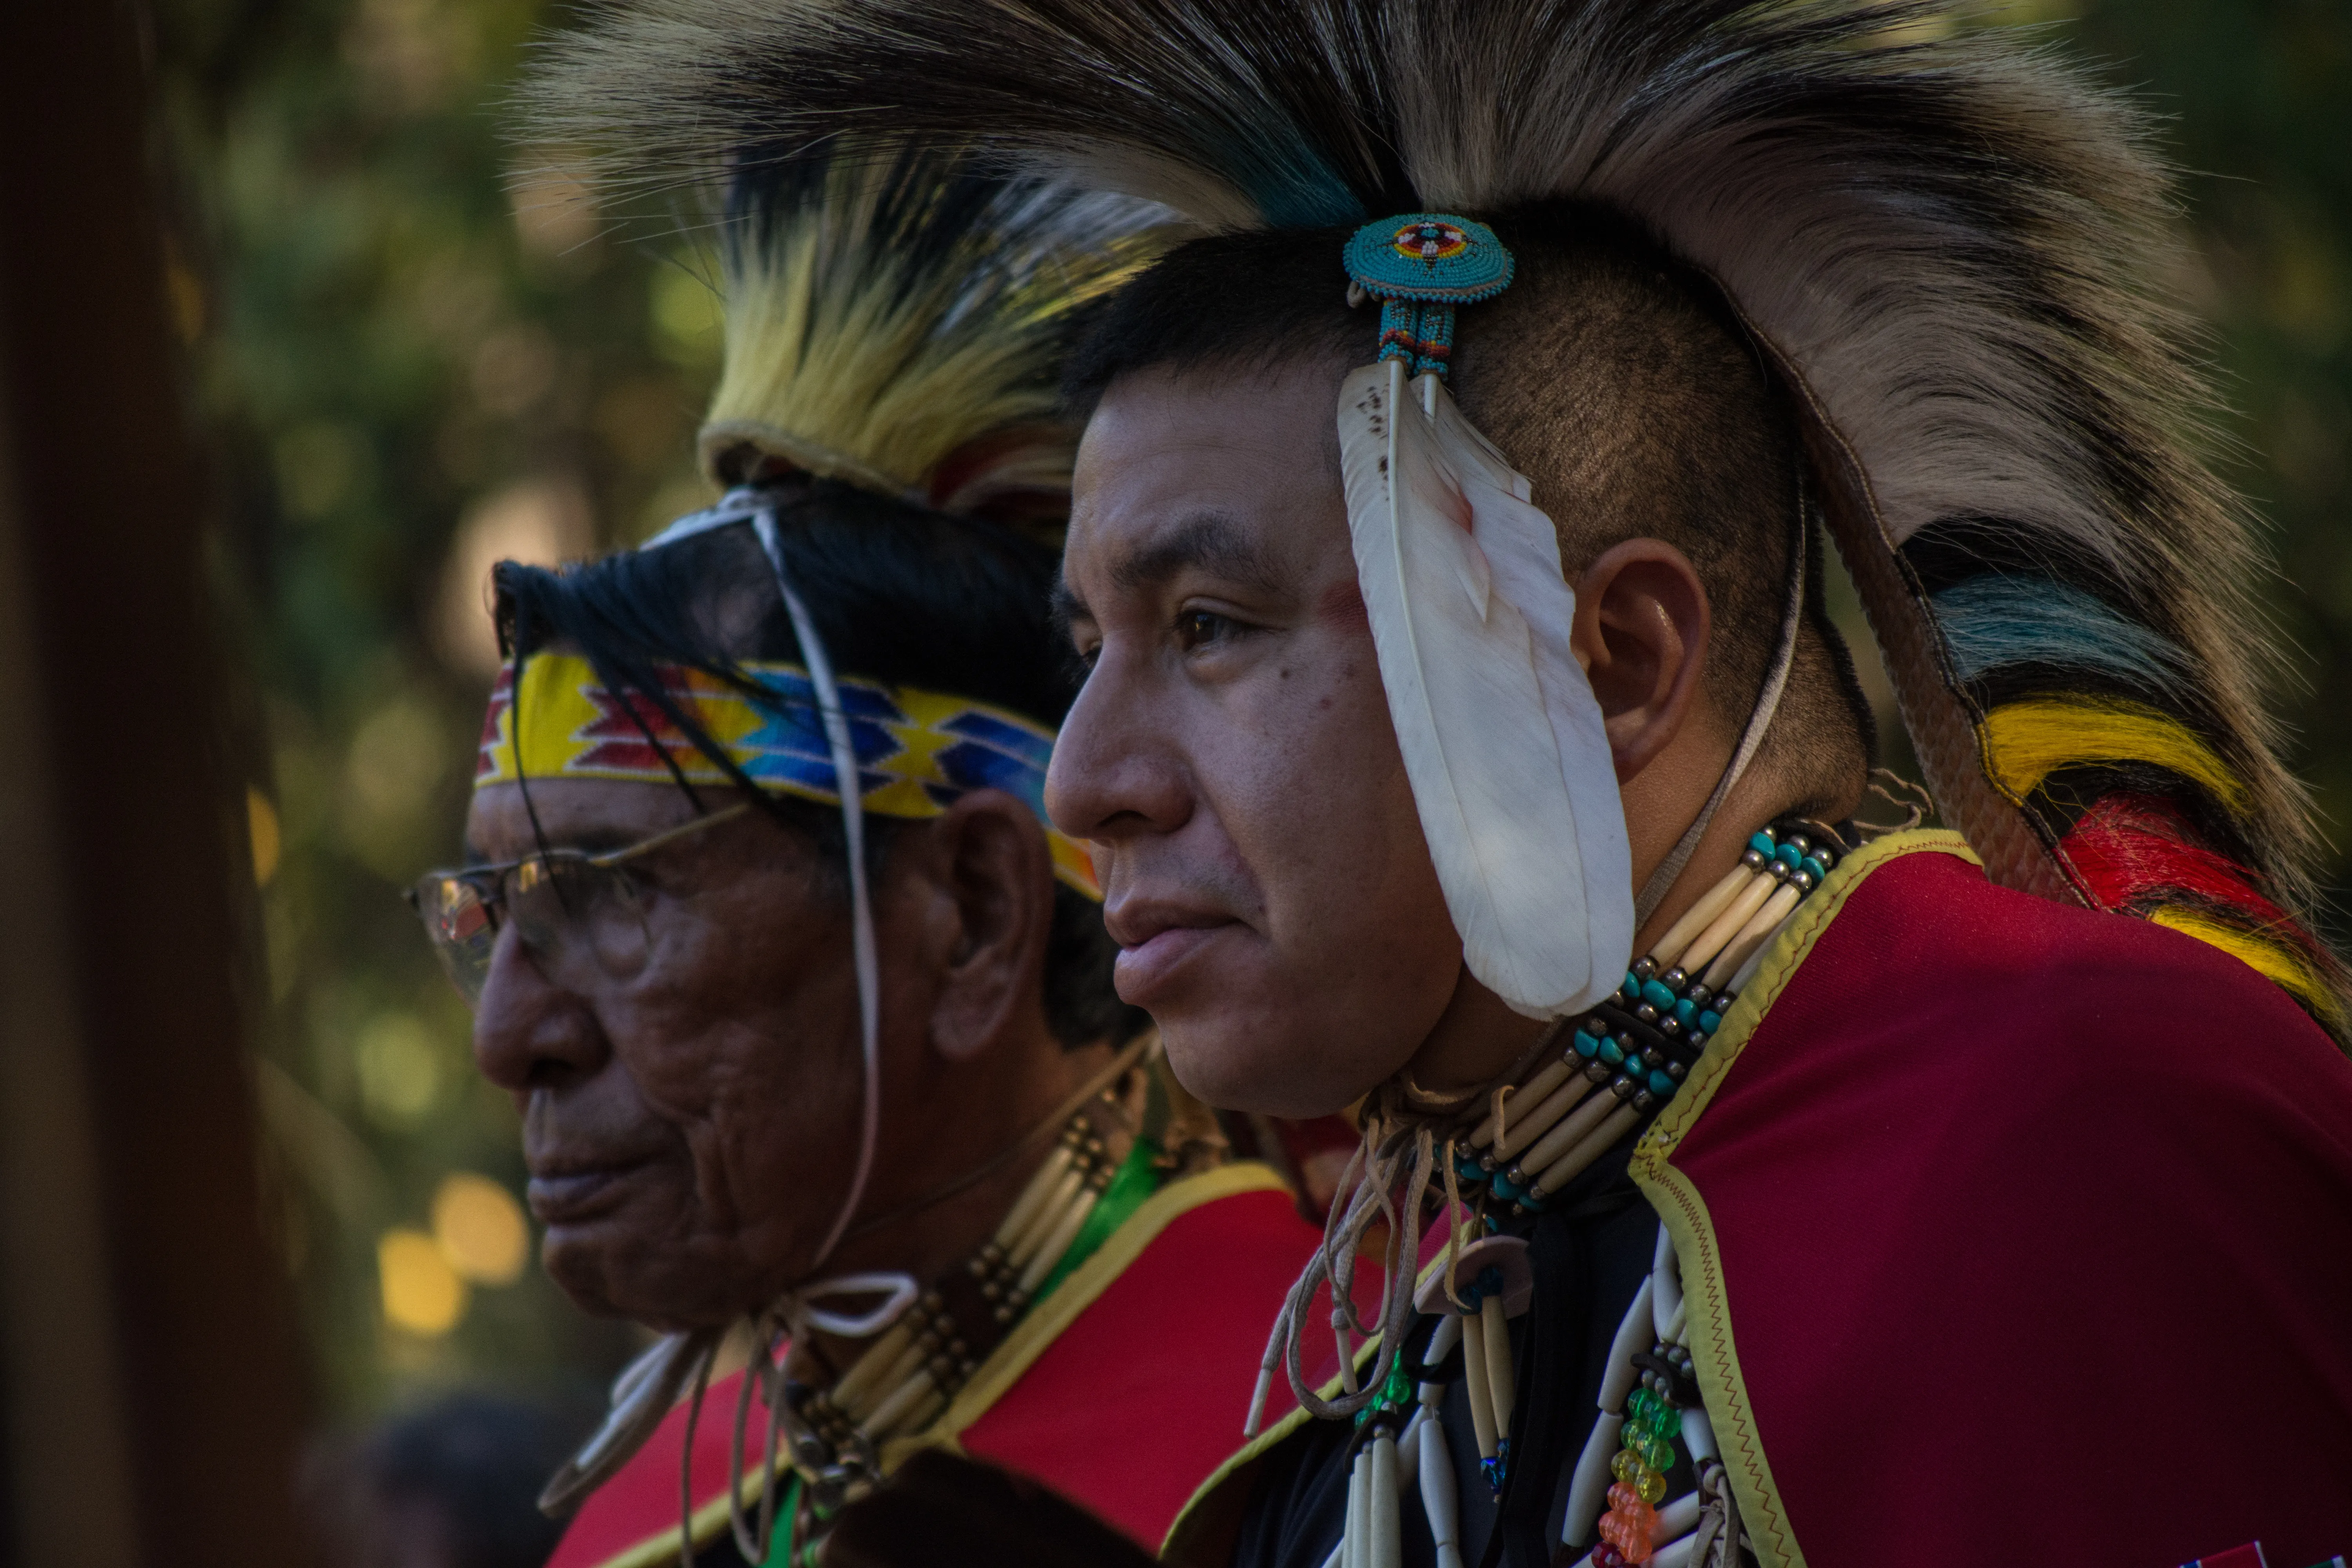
{"x": 1684, "y": 1215}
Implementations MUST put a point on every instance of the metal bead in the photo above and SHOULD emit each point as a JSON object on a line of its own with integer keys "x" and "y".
{"x": 1751, "y": 859}
{"x": 1645, "y": 968}
{"x": 1642, "y": 1100}
{"x": 1673, "y": 979}
{"x": 1647, "y": 1014}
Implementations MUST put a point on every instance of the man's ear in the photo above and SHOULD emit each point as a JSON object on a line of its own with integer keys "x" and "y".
{"x": 1641, "y": 622}
{"x": 992, "y": 874}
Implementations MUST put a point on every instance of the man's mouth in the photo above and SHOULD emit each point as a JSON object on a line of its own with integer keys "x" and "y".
{"x": 1155, "y": 942}
{"x": 571, "y": 1191}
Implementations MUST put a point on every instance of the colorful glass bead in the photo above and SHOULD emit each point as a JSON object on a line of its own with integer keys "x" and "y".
{"x": 1626, "y": 1466}
{"x": 1612, "y": 1052}
{"x": 1762, "y": 844}
{"x": 1657, "y": 995}
{"x": 1588, "y": 1045}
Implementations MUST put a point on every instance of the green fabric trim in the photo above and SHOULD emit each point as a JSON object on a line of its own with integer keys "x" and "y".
{"x": 1137, "y": 1178}
{"x": 788, "y": 1508}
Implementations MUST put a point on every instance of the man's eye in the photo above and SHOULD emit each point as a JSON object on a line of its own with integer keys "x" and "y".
{"x": 1198, "y": 628}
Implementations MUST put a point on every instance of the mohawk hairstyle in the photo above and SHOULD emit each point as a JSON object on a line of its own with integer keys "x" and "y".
{"x": 1951, "y": 246}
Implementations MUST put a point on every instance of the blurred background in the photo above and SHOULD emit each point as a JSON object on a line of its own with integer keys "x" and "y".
{"x": 410, "y": 360}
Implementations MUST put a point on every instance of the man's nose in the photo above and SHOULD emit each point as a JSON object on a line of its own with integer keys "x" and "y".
{"x": 1113, "y": 776}
{"x": 528, "y": 1032}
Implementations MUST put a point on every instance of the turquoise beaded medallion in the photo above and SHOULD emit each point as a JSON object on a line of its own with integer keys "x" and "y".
{"x": 1420, "y": 266}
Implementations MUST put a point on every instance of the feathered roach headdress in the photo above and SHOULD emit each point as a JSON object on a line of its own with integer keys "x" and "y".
{"x": 1950, "y": 247}
{"x": 898, "y": 323}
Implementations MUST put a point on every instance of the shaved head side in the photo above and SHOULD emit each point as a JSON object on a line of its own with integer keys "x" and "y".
{"x": 1615, "y": 378}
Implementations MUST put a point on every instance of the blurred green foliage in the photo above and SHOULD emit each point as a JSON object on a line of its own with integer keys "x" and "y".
{"x": 408, "y": 370}
{"x": 410, "y": 365}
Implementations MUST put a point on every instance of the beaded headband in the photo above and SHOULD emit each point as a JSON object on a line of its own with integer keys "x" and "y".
{"x": 916, "y": 750}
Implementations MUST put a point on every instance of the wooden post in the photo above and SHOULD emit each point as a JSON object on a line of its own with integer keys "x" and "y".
{"x": 150, "y": 1402}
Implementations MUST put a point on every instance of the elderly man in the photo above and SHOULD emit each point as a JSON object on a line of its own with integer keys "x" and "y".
{"x": 1828, "y": 1193}
{"x": 807, "y": 1009}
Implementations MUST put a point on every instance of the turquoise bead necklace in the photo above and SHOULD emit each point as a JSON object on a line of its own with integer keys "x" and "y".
{"x": 1629, "y": 1055}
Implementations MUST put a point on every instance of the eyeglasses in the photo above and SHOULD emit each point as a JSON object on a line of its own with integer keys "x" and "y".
{"x": 564, "y": 902}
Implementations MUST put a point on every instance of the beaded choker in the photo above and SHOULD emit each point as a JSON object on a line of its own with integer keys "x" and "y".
{"x": 1622, "y": 1060}
{"x": 1638, "y": 1047}
{"x": 907, "y": 1378}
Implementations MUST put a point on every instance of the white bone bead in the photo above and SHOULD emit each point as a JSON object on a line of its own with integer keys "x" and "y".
{"x": 1497, "y": 1332}
{"x": 1568, "y": 1134}
{"x": 1636, "y": 1334}
{"x": 1698, "y": 1436}
{"x": 1542, "y": 1115}
{"x": 1408, "y": 1451}
{"x": 1437, "y": 1494}
{"x": 1481, "y": 1392}
{"x": 1385, "y": 1547}
{"x": 1596, "y": 1144}
{"x": 1678, "y": 1517}
{"x": 1524, "y": 1099}
{"x": 1665, "y": 1273}
{"x": 1671, "y": 947}
{"x": 1590, "y": 1488}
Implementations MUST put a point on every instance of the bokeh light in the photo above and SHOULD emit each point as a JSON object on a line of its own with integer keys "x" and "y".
{"x": 480, "y": 1229}
{"x": 421, "y": 1294}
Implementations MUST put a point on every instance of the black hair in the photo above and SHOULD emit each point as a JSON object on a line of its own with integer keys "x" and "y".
{"x": 1619, "y": 377}
{"x": 898, "y": 594}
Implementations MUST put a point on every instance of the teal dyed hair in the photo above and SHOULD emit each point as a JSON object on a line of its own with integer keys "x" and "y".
{"x": 1993, "y": 620}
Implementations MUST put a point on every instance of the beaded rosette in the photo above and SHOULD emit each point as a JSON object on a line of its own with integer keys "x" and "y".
{"x": 1420, "y": 266}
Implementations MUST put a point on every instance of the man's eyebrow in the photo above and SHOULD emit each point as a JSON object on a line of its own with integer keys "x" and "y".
{"x": 1066, "y": 607}
{"x": 1209, "y": 540}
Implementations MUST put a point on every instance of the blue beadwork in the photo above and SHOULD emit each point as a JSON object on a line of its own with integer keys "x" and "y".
{"x": 1420, "y": 266}
{"x": 1642, "y": 1064}
{"x": 1431, "y": 257}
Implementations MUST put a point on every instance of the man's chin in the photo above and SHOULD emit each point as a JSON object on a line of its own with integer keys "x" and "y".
{"x": 664, "y": 1294}
{"x": 1232, "y": 1059}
